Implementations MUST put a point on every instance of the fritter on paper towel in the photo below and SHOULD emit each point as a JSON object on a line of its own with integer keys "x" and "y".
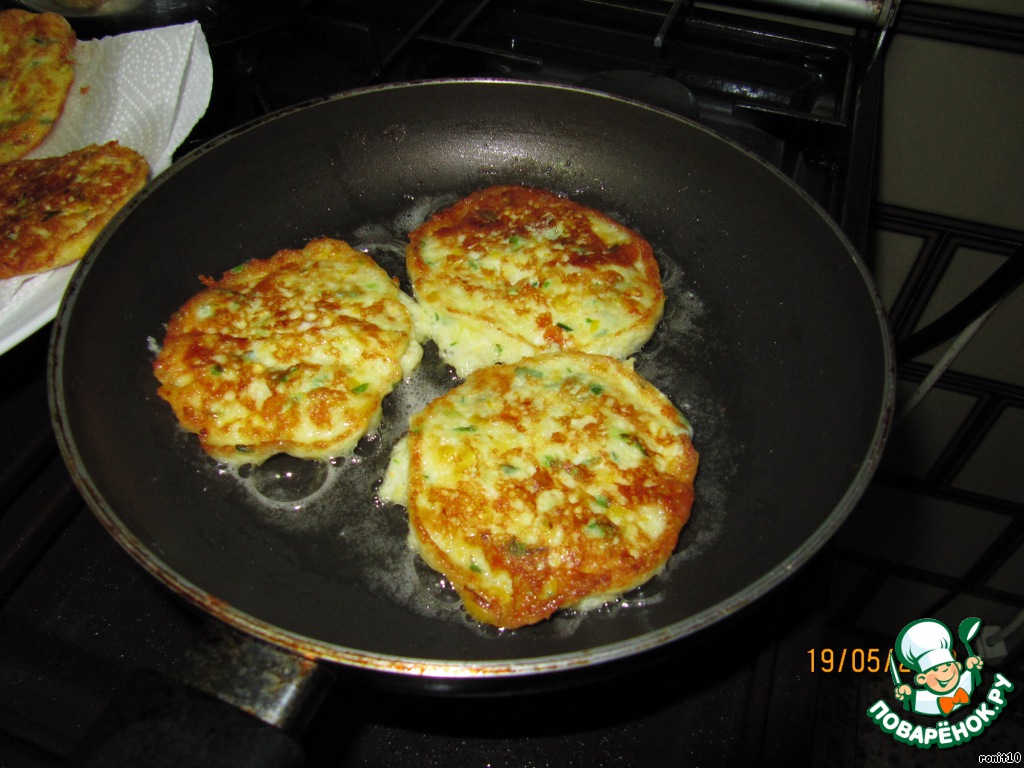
{"x": 36, "y": 73}
{"x": 51, "y": 210}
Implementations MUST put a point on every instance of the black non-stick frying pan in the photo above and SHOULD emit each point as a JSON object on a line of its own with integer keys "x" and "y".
{"x": 773, "y": 345}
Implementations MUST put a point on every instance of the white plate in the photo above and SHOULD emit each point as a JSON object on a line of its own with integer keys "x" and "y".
{"x": 29, "y": 303}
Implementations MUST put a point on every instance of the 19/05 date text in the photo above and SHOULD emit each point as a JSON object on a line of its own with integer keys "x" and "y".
{"x": 857, "y": 660}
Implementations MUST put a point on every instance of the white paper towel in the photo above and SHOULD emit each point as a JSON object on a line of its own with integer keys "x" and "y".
{"x": 146, "y": 90}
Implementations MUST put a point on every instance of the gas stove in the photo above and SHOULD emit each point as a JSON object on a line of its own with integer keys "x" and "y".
{"x": 800, "y": 93}
{"x": 800, "y": 89}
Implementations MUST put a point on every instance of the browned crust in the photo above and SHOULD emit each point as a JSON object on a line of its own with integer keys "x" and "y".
{"x": 51, "y": 210}
{"x": 270, "y": 336}
{"x": 36, "y": 74}
{"x": 587, "y": 565}
{"x": 489, "y": 218}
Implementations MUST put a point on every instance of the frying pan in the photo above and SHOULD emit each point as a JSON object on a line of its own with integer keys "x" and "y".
{"x": 773, "y": 345}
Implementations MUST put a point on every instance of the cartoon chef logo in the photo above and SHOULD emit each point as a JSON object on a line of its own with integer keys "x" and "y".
{"x": 941, "y": 684}
{"x": 944, "y": 684}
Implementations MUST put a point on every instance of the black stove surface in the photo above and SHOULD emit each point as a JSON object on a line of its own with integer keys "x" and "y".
{"x": 802, "y": 99}
{"x": 78, "y": 616}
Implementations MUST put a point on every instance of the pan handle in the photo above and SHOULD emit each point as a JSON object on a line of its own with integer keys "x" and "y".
{"x": 159, "y": 722}
{"x": 232, "y": 701}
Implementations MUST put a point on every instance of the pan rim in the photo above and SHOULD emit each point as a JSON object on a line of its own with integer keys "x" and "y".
{"x": 435, "y": 667}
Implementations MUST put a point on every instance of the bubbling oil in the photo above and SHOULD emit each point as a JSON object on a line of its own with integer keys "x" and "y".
{"x": 338, "y": 498}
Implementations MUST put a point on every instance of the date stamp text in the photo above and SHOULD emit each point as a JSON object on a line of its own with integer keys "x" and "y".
{"x": 857, "y": 660}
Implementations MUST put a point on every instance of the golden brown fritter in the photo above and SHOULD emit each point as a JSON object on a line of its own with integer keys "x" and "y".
{"x": 561, "y": 480}
{"x": 512, "y": 271}
{"x": 291, "y": 354}
{"x": 36, "y": 73}
{"x": 51, "y": 210}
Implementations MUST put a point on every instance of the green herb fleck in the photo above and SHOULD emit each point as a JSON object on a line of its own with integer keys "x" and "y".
{"x": 516, "y": 548}
{"x": 286, "y": 374}
{"x": 532, "y": 373}
{"x": 634, "y": 441}
{"x": 599, "y": 529}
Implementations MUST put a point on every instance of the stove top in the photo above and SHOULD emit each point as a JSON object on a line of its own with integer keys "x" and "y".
{"x": 803, "y": 98}
{"x": 78, "y": 616}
